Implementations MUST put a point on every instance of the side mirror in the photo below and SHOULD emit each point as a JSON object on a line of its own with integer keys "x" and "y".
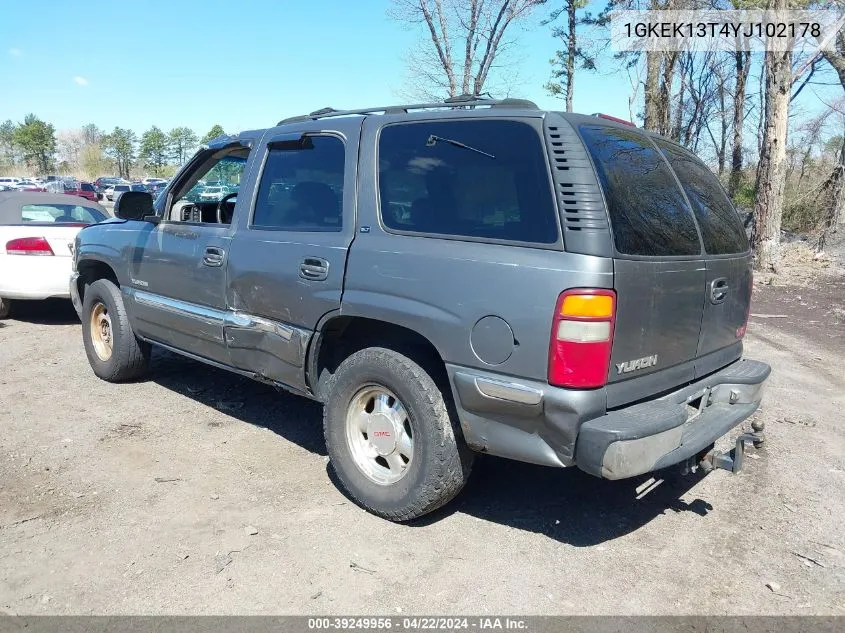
{"x": 133, "y": 205}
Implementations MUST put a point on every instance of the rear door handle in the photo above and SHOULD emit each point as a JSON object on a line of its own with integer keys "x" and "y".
{"x": 213, "y": 256}
{"x": 718, "y": 290}
{"x": 314, "y": 269}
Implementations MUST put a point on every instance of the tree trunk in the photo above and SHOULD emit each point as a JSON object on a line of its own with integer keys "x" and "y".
{"x": 742, "y": 67}
{"x": 652, "y": 90}
{"x": 835, "y": 185}
{"x": 669, "y": 59}
{"x": 570, "y": 55}
{"x": 768, "y": 209}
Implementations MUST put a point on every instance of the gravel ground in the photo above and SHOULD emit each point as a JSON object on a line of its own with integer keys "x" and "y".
{"x": 197, "y": 492}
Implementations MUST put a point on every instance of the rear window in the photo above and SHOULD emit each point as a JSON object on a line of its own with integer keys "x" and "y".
{"x": 721, "y": 228}
{"x": 648, "y": 213}
{"x": 480, "y": 179}
{"x": 60, "y": 214}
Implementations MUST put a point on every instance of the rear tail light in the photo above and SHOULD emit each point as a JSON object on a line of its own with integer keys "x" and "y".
{"x": 28, "y": 246}
{"x": 581, "y": 338}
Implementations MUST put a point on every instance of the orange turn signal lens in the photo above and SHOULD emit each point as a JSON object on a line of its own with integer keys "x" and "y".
{"x": 587, "y": 306}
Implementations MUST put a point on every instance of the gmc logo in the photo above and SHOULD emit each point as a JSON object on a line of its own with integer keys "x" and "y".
{"x": 381, "y": 434}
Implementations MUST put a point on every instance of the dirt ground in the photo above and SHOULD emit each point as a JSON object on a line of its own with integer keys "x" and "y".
{"x": 198, "y": 492}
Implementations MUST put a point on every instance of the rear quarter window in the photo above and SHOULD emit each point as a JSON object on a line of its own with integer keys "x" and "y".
{"x": 483, "y": 179}
{"x": 648, "y": 213}
{"x": 721, "y": 229}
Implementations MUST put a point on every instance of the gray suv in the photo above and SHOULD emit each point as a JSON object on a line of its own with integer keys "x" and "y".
{"x": 447, "y": 278}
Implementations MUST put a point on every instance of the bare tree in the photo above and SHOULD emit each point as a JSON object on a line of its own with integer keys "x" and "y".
{"x": 467, "y": 39}
{"x": 768, "y": 209}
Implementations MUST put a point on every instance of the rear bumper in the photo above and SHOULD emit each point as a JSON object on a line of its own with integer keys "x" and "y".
{"x": 30, "y": 277}
{"x": 537, "y": 423}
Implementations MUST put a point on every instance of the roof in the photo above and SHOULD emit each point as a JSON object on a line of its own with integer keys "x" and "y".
{"x": 462, "y": 101}
{"x": 12, "y": 201}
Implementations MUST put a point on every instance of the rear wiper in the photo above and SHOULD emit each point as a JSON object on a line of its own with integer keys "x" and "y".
{"x": 432, "y": 141}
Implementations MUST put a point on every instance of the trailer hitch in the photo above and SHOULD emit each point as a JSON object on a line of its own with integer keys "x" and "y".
{"x": 732, "y": 460}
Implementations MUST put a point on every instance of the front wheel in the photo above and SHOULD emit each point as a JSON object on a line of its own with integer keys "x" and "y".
{"x": 113, "y": 351}
{"x": 392, "y": 442}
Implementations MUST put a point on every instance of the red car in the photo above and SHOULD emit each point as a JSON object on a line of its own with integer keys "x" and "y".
{"x": 74, "y": 188}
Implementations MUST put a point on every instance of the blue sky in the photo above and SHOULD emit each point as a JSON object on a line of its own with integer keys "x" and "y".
{"x": 240, "y": 63}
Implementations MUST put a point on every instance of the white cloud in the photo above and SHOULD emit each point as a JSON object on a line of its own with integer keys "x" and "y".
{"x": 15, "y": 52}
{"x": 80, "y": 81}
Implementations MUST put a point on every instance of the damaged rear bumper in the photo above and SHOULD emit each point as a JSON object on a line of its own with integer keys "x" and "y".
{"x": 675, "y": 428}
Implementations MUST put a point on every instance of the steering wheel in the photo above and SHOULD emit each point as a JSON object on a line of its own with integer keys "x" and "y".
{"x": 224, "y": 213}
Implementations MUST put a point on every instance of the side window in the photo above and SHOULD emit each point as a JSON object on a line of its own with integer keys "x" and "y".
{"x": 483, "y": 179}
{"x": 648, "y": 213}
{"x": 197, "y": 197}
{"x": 301, "y": 186}
{"x": 721, "y": 228}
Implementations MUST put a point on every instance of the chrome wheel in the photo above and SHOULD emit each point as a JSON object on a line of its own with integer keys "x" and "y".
{"x": 101, "y": 331}
{"x": 379, "y": 434}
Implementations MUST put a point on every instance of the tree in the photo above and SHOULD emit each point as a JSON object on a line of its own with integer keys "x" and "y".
{"x": 154, "y": 149}
{"x": 8, "y": 149}
{"x": 92, "y": 134}
{"x": 120, "y": 147}
{"x": 742, "y": 61}
{"x": 37, "y": 142}
{"x": 835, "y": 185}
{"x": 69, "y": 147}
{"x": 771, "y": 176}
{"x": 467, "y": 39}
{"x": 563, "y": 64}
{"x": 182, "y": 141}
{"x": 92, "y": 162}
{"x": 213, "y": 133}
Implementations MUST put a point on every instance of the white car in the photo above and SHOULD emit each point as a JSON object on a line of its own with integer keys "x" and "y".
{"x": 37, "y": 231}
{"x": 213, "y": 194}
{"x": 10, "y": 181}
{"x": 115, "y": 190}
{"x": 152, "y": 181}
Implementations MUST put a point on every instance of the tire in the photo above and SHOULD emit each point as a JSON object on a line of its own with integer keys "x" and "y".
{"x": 5, "y": 308}
{"x": 439, "y": 462}
{"x": 129, "y": 358}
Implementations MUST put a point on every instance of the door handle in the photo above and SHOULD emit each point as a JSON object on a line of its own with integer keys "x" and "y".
{"x": 213, "y": 256}
{"x": 718, "y": 290}
{"x": 314, "y": 269}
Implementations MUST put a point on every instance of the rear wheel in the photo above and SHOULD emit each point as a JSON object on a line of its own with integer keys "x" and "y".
{"x": 392, "y": 442}
{"x": 113, "y": 351}
{"x": 5, "y": 308}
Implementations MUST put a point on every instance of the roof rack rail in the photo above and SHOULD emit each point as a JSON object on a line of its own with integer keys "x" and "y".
{"x": 461, "y": 101}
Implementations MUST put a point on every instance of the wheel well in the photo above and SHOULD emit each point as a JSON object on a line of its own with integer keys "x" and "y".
{"x": 92, "y": 270}
{"x": 343, "y": 336}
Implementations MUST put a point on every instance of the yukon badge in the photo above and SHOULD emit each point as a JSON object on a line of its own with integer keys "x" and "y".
{"x": 634, "y": 365}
